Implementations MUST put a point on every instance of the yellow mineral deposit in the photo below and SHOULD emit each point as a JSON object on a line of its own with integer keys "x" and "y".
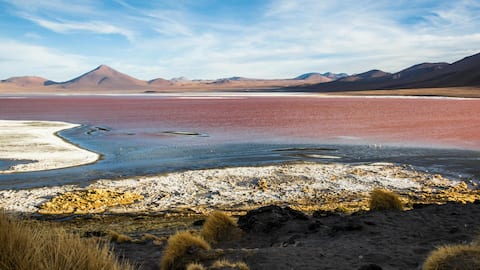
{"x": 87, "y": 201}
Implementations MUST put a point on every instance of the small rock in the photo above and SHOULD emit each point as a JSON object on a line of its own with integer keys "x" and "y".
{"x": 346, "y": 226}
{"x": 454, "y": 230}
{"x": 370, "y": 267}
{"x": 199, "y": 222}
{"x": 94, "y": 234}
{"x": 314, "y": 226}
{"x": 268, "y": 218}
{"x": 323, "y": 213}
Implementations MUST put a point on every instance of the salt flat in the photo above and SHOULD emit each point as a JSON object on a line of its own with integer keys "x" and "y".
{"x": 303, "y": 185}
{"x": 37, "y": 146}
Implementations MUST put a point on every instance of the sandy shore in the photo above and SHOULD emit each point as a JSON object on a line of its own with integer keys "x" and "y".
{"x": 37, "y": 146}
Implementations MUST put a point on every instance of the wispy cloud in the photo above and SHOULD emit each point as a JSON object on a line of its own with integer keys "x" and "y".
{"x": 279, "y": 38}
{"x": 20, "y": 59}
{"x": 55, "y": 6}
{"x": 62, "y": 26}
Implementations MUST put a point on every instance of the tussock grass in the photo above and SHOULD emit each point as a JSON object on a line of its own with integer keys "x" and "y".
{"x": 195, "y": 266}
{"x": 119, "y": 238}
{"x": 25, "y": 246}
{"x": 225, "y": 264}
{"x": 219, "y": 227}
{"x": 157, "y": 241}
{"x": 381, "y": 199}
{"x": 182, "y": 249}
{"x": 454, "y": 257}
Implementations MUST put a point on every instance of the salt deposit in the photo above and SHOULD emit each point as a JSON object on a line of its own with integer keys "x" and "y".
{"x": 242, "y": 188}
{"x": 36, "y": 145}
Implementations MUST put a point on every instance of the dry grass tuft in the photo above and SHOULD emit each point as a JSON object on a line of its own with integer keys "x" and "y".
{"x": 157, "y": 241}
{"x": 219, "y": 227}
{"x": 119, "y": 238}
{"x": 182, "y": 248}
{"x": 224, "y": 264}
{"x": 454, "y": 257}
{"x": 24, "y": 247}
{"x": 381, "y": 199}
{"x": 195, "y": 266}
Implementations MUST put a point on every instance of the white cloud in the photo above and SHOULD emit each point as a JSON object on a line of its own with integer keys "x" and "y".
{"x": 83, "y": 7}
{"x": 287, "y": 38}
{"x": 89, "y": 26}
{"x": 20, "y": 59}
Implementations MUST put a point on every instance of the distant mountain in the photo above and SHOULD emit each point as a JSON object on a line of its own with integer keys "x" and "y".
{"x": 25, "y": 81}
{"x": 102, "y": 77}
{"x": 465, "y": 72}
{"x": 237, "y": 78}
{"x": 334, "y": 76}
{"x": 159, "y": 82}
{"x": 230, "y": 80}
{"x": 313, "y": 76}
{"x": 179, "y": 79}
{"x": 321, "y": 76}
{"x": 372, "y": 74}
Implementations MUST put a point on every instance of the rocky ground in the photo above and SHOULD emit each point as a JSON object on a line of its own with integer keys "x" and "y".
{"x": 338, "y": 231}
{"x": 281, "y": 238}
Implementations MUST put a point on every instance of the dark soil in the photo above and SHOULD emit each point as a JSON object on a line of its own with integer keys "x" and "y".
{"x": 282, "y": 238}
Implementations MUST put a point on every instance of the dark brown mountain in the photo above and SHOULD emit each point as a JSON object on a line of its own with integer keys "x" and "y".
{"x": 465, "y": 72}
{"x": 372, "y": 74}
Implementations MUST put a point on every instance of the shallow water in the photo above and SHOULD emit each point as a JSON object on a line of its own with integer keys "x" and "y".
{"x": 144, "y": 135}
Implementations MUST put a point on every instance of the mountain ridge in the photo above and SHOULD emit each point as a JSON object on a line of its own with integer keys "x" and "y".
{"x": 104, "y": 77}
{"x": 462, "y": 73}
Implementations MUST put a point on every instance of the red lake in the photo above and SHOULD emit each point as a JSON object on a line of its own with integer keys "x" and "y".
{"x": 149, "y": 134}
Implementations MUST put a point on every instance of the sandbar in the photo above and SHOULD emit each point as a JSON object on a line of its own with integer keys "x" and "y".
{"x": 37, "y": 147}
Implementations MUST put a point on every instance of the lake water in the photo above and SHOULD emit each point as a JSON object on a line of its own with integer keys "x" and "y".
{"x": 143, "y": 135}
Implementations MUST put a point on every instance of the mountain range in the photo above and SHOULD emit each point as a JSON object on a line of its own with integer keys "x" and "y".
{"x": 462, "y": 73}
{"x": 465, "y": 72}
{"x": 106, "y": 78}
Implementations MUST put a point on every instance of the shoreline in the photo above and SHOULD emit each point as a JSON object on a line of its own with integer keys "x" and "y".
{"x": 303, "y": 186}
{"x": 238, "y": 94}
{"x": 39, "y": 144}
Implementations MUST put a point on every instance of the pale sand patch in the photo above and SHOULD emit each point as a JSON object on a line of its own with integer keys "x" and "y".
{"x": 243, "y": 188}
{"x": 37, "y": 142}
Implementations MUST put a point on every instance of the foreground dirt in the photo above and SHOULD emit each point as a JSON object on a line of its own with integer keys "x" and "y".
{"x": 282, "y": 238}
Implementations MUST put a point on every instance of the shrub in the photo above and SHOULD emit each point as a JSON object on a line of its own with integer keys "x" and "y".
{"x": 381, "y": 199}
{"x": 224, "y": 264}
{"x": 195, "y": 266}
{"x": 454, "y": 257}
{"x": 25, "y": 246}
{"x": 219, "y": 227}
{"x": 182, "y": 248}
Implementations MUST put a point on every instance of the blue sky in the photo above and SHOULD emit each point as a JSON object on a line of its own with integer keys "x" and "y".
{"x": 208, "y": 39}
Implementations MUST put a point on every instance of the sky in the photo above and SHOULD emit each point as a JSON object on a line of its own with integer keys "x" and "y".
{"x": 210, "y": 39}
